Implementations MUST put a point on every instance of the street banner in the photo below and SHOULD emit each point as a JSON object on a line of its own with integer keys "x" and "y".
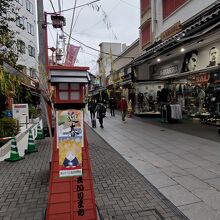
{"x": 20, "y": 112}
{"x": 72, "y": 52}
{"x": 70, "y": 142}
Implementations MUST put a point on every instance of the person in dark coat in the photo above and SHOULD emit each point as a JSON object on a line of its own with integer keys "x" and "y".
{"x": 123, "y": 106}
{"x": 112, "y": 106}
{"x": 91, "y": 107}
{"x": 100, "y": 110}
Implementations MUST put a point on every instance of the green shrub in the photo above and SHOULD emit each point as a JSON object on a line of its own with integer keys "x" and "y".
{"x": 33, "y": 112}
{"x": 8, "y": 127}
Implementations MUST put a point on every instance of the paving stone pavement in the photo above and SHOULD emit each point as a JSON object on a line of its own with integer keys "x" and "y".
{"x": 121, "y": 192}
{"x": 24, "y": 185}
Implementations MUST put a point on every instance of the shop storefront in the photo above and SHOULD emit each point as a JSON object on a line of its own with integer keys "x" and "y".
{"x": 146, "y": 96}
{"x": 192, "y": 81}
{"x": 127, "y": 86}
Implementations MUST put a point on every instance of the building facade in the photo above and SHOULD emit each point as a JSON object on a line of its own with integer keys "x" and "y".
{"x": 182, "y": 55}
{"x": 25, "y": 28}
{"x": 108, "y": 52}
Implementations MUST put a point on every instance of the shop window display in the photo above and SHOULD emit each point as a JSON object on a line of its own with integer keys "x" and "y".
{"x": 202, "y": 100}
{"x": 147, "y": 102}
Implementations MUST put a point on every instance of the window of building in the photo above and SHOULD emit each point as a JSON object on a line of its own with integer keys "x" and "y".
{"x": 169, "y": 6}
{"x": 19, "y": 1}
{"x": 32, "y": 72}
{"x": 31, "y": 51}
{"x": 69, "y": 91}
{"x": 145, "y": 5}
{"x": 29, "y": 6}
{"x": 21, "y": 46}
{"x": 30, "y": 28}
{"x": 146, "y": 33}
{"x": 20, "y": 22}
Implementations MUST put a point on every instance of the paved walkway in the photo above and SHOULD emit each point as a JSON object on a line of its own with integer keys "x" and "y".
{"x": 184, "y": 168}
{"x": 121, "y": 192}
{"x": 24, "y": 185}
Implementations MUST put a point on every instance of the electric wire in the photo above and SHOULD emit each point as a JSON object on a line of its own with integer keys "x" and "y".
{"x": 52, "y": 6}
{"x": 68, "y": 9}
{"x": 59, "y": 4}
{"x": 129, "y": 4}
{"x": 71, "y": 26}
{"x": 117, "y": 56}
{"x": 51, "y": 35}
{"x": 77, "y": 18}
{"x": 100, "y": 20}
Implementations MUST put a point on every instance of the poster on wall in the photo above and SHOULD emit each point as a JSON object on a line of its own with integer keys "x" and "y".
{"x": 203, "y": 58}
{"x": 194, "y": 60}
{"x": 20, "y": 112}
{"x": 70, "y": 142}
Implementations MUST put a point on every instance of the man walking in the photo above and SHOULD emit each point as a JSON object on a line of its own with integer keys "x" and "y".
{"x": 122, "y": 105}
{"x": 112, "y": 106}
{"x": 100, "y": 109}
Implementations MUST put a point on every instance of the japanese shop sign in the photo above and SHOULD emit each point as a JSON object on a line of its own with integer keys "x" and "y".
{"x": 80, "y": 196}
{"x": 70, "y": 142}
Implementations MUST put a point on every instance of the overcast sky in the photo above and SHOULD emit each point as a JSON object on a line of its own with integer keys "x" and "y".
{"x": 91, "y": 28}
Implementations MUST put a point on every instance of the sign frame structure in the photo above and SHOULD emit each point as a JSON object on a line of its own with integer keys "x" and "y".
{"x": 21, "y": 113}
{"x": 70, "y": 141}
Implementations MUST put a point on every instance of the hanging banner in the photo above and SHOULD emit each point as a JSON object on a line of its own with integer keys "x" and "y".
{"x": 72, "y": 53}
{"x": 70, "y": 142}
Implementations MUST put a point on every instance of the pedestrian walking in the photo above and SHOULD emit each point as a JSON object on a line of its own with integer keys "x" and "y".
{"x": 91, "y": 108}
{"x": 112, "y": 106}
{"x": 122, "y": 106}
{"x": 100, "y": 110}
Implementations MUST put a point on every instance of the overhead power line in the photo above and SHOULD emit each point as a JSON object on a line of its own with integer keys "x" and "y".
{"x": 71, "y": 26}
{"x": 129, "y": 4}
{"x": 96, "y": 49}
{"x": 52, "y": 6}
{"x": 68, "y": 9}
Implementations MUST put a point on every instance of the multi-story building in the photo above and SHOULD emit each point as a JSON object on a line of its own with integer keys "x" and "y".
{"x": 108, "y": 52}
{"x": 181, "y": 44}
{"x": 25, "y": 29}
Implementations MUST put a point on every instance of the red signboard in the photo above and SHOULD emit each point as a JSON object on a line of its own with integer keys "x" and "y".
{"x": 71, "y": 198}
{"x": 202, "y": 78}
{"x": 72, "y": 52}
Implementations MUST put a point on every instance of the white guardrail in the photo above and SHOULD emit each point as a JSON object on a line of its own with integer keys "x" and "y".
{"x": 21, "y": 139}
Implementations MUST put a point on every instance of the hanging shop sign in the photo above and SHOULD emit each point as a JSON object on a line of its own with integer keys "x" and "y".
{"x": 174, "y": 29}
{"x": 198, "y": 59}
{"x": 70, "y": 142}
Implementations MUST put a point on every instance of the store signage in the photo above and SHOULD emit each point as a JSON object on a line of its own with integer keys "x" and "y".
{"x": 80, "y": 196}
{"x": 169, "y": 71}
{"x": 70, "y": 142}
{"x": 174, "y": 29}
{"x": 202, "y": 78}
{"x": 202, "y": 59}
{"x": 20, "y": 112}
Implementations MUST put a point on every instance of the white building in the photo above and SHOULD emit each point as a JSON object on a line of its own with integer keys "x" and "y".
{"x": 25, "y": 29}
